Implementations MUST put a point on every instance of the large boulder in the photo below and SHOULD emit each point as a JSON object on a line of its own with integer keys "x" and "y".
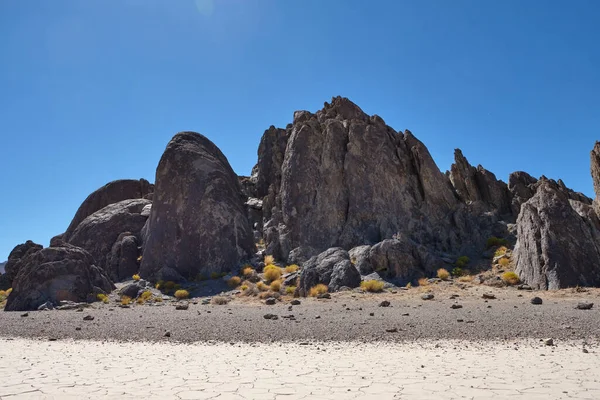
{"x": 122, "y": 261}
{"x": 98, "y": 232}
{"x": 55, "y": 274}
{"x": 332, "y": 268}
{"x": 11, "y": 269}
{"x": 595, "y": 169}
{"x": 198, "y": 223}
{"x": 110, "y": 193}
{"x": 558, "y": 241}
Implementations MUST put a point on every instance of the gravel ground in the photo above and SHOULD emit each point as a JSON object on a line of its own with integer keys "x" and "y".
{"x": 348, "y": 316}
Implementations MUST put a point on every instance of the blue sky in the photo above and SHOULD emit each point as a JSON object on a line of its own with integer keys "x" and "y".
{"x": 92, "y": 91}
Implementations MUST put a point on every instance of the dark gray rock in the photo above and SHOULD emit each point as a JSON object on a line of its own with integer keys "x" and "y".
{"x": 122, "y": 261}
{"x": 300, "y": 255}
{"x": 99, "y": 231}
{"x": 595, "y": 169}
{"x": 198, "y": 222}
{"x": 332, "y": 268}
{"x": 360, "y": 258}
{"x": 13, "y": 265}
{"x": 557, "y": 247}
{"x": 536, "y": 301}
{"x": 427, "y": 296}
{"x": 55, "y": 274}
{"x": 585, "y": 306}
{"x": 112, "y": 192}
{"x": 132, "y": 290}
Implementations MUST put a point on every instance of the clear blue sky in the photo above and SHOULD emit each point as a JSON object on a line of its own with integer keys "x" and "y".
{"x": 92, "y": 91}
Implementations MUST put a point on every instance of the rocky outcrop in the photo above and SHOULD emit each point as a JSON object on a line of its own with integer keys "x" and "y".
{"x": 558, "y": 240}
{"x": 12, "y": 267}
{"x": 478, "y": 184}
{"x": 595, "y": 169}
{"x": 522, "y": 187}
{"x": 198, "y": 223}
{"x": 99, "y": 231}
{"x": 55, "y": 274}
{"x": 2, "y": 264}
{"x": 110, "y": 193}
{"x": 122, "y": 261}
{"x": 332, "y": 268}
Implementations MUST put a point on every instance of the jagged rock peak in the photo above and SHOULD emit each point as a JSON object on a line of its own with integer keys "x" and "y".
{"x": 595, "y": 169}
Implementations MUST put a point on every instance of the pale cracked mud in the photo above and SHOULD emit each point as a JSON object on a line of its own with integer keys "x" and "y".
{"x": 526, "y": 369}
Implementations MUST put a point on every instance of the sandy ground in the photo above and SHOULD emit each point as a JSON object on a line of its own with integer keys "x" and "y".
{"x": 447, "y": 369}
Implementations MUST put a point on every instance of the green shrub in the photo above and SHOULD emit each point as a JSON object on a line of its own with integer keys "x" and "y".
{"x": 458, "y": 271}
{"x": 494, "y": 241}
{"x": 462, "y": 261}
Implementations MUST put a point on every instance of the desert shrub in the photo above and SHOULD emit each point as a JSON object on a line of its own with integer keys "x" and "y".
{"x": 100, "y": 296}
{"x": 220, "y": 300}
{"x": 494, "y": 241}
{"x": 466, "y": 278}
{"x": 125, "y": 300}
{"x": 140, "y": 301}
{"x": 504, "y": 262}
{"x": 182, "y": 294}
{"x": 409, "y": 285}
{"x": 423, "y": 282}
{"x": 510, "y": 278}
{"x": 139, "y": 259}
{"x": 215, "y": 275}
{"x": 146, "y": 295}
{"x": 462, "y": 261}
{"x": 317, "y": 290}
{"x": 136, "y": 277}
{"x": 243, "y": 287}
{"x": 290, "y": 269}
{"x": 159, "y": 285}
{"x": 234, "y": 281}
{"x": 200, "y": 278}
{"x": 251, "y": 290}
{"x": 275, "y": 286}
{"x": 443, "y": 274}
{"x": 269, "y": 260}
{"x": 272, "y": 273}
{"x": 158, "y": 299}
{"x": 458, "y": 272}
{"x": 248, "y": 271}
{"x": 265, "y": 295}
{"x": 372, "y": 286}
{"x": 500, "y": 251}
{"x": 262, "y": 286}
{"x": 290, "y": 290}
{"x": 170, "y": 285}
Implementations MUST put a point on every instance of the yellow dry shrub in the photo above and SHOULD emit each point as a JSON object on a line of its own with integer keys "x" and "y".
{"x": 500, "y": 251}
{"x": 220, "y": 300}
{"x": 182, "y": 294}
{"x": 290, "y": 290}
{"x": 317, "y": 290}
{"x": 100, "y": 296}
{"x": 247, "y": 271}
{"x": 466, "y": 278}
{"x": 146, "y": 295}
{"x": 125, "y": 300}
{"x": 136, "y": 277}
{"x": 504, "y": 262}
{"x": 243, "y": 288}
{"x": 269, "y": 260}
{"x": 372, "y": 286}
{"x": 423, "y": 282}
{"x": 234, "y": 281}
{"x": 272, "y": 273}
{"x": 510, "y": 278}
{"x": 443, "y": 274}
{"x": 263, "y": 287}
{"x": 290, "y": 269}
{"x": 275, "y": 286}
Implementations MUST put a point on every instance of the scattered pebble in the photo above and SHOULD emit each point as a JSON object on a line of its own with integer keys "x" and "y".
{"x": 384, "y": 303}
{"x": 585, "y": 306}
{"x": 456, "y": 306}
{"x": 182, "y": 306}
{"x": 549, "y": 342}
{"x": 88, "y": 318}
{"x": 392, "y": 330}
{"x": 271, "y": 316}
{"x": 489, "y": 296}
{"x": 167, "y": 334}
{"x": 536, "y": 301}
{"x": 295, "y": 302}
{"x": 270, "y": 301}
{"x": 427, "y": 296}
{"x": 25, "y": 315}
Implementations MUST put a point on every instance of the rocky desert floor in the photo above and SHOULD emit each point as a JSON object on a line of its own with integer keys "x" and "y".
{"x": 354, "y": 345}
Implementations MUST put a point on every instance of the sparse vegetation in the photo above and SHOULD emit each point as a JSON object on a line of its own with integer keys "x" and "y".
{"x": 458, "y": 272}
{"x": 494, "y": 241}
{"x": 372, "y": 286}
{"x": 136, "y": 277}
{"x": 220, "y": 300}
{"x": 265, "y": 295}
{"x": 215, "y": 275}
{"x": 248, "y": 271}
{"x": 158, "y": 299}
{"x": 510, "y": 278}
{"x": 504, "y": 262}
{"x": 462, "y": 261}
{"x": 409, "y": 285}
{"x": 290, "y": 269}
{"x": 261, "y": 286}
{"x": 139, "y": 259}
{"x": 100, "y": 296}
{"x": 146, "y": 295}
{"x": 317, "y": 290}
{"x": 466, "y": 278}
{"x": 290, "y": 290}
{"x": 251, "y": 290}
{"x": 269, "y": 260}
{"x": 159, "y": 285}
{"x": 500, "y": 251}
{"x": 272, "y": 273}
{"x": 234, "y": 281}
{"x": 170, "y": 285}
{"x": 422, "y": 282}
{"x": 243, "y": 287}
{"x": 125, "y": 300}
{"x": 182, "y": 294}
{"x": 275, "y": 286}
{"x": 443, "y": 274}
{"x": 200, "y": 278}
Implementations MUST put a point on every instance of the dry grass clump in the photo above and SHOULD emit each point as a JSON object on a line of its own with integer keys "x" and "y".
{"x": 220, "y": 300}
{"x": 443, "y": 274}
{"x": 248, "y": 271}
{"x": 158, "y": 299}
{"x": 100, "y": 296}
{"x": 290, "y": 269}
{"x": 423, "y": 282}
{"x": 500, "y": 251}
{"x": 269, "y": 260}
{"x": 234, "y": 281}
{"x": 136, "y": 277}
{"x": 182, "y": 294}
{"x": 275, "y": 286}
{"x": 466, "y": 278}
{"x": 372, "y": 286}
{"x": 510, "y": 278}
{"x": 290, "y": 290}
{"x": 504, "y": 262}
{"x": 263, "y": 287}
{"x": 243, "y": 287}
{"x": 146, "y": 295}
{"x": 317, "y": 290}
{"x": 251, "y": 290}
{"x": 125, "y": 300}
{"x": 272, "y": 273}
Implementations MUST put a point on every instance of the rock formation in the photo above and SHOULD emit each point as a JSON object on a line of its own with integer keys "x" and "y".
{"x": 12, "y": 265}
{"x": 595, "y": 169}
{"x": 198, "y": 223}
{"x": 54, "y": 274}
{"x": 332, "y": 268}
{"x": 111, "y": 193}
